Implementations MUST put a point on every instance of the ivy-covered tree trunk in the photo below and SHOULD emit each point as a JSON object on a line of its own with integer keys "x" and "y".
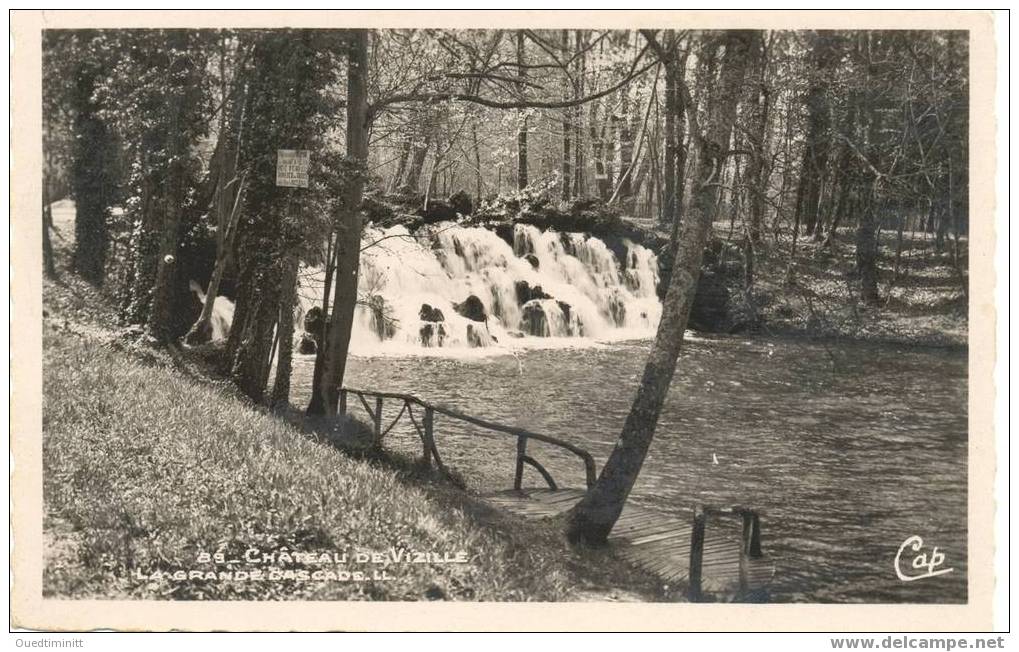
{"x": 592, "y": 519}
{"x": 348, "y": 238}
{"x": 255, "y": 343}
{"x": 159, "y": 326}
{"x": 92, "y": 163}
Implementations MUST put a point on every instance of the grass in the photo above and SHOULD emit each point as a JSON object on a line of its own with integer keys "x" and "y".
{"x": 146, "y": 468}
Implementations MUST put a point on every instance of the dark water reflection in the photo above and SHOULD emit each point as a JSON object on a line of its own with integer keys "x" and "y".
{"x": 848, "y": 449}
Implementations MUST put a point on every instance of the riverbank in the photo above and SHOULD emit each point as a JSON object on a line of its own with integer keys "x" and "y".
{"x": 151, "y": 469}
{"x": 923, "y": 298}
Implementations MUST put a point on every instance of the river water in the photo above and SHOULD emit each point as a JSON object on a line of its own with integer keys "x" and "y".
{"x": 847, "y": 449}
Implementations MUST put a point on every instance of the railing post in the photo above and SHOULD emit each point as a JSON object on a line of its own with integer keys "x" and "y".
{"x": 343, "y": 401}
{"x": 700, "y": 522}
{"x": 429, "y": 442}
{"x": 755, "y": 536}
{"x": 518, "y": 476}
{"x": 378, "y": 420}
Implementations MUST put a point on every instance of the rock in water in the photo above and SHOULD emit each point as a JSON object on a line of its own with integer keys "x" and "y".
{"x": 313, "y": 320}
{"x": 526, "y": 293}
{"x": 617, "y": 308}
{"x": 381, "y": 322}
{"x": 429, "y": 313}
{"x": 432, "y": 334}
{"x": 471, "y": 308}
{"x": 462, "y": 203}
{"x": 534, "y": 321}
{"x": 473, "y": 337}
{"x": 307, "y": 344}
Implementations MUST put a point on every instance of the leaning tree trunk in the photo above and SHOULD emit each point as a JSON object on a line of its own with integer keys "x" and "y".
{"x": 317, "y": 403}
{"x": 593, "y": 518}
{"x": 348, "y": 239}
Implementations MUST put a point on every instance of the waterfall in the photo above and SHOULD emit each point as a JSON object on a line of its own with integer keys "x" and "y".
{"x": 452, "y": 287}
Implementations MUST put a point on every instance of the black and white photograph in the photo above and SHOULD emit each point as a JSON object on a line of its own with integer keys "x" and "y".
{"x": 571, "y": 311}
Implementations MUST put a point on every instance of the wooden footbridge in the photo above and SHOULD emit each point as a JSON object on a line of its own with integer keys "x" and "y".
{"x": 723, "y": 561}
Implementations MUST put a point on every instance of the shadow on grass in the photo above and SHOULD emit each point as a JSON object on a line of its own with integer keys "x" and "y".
{"x": 596, "y": 573}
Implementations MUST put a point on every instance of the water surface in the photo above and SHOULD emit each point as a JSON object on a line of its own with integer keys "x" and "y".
{"x": 848, "y": 449}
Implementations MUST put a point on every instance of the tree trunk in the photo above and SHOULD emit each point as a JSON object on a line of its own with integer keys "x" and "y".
{"x": 159, "y": 326}
{"x": 285, "y": 333}
{"x": 756, "y": 174}
{"x": 317, "y": 403}
{"x": 48, "y": 265}
{"x": 867, "y": 246}
{"x": 567, "y": 161}
{"x": 522, "y": 134}
{"x": 91, "y": 160}
{"x": 254, "y": 351}
{"x": 478, "y": 180}
{"x": 228, "y": 196}
{"x": 579, "y": 185}
{"x": 201, "y": 330}
{"x": 401, "y": 166}
{"x": 348, "y": 239}
{"x": 593, "y": 518}
{"x": 417, "y": 164}
{"x": 815, "y": 157}
{"x": 671, "y": 120}
{"x": 626, "y": 146}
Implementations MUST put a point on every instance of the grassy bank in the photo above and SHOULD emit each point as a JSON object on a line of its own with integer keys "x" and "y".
{"x": 146, "y": 468}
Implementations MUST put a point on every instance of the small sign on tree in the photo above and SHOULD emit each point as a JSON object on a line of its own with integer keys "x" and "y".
{"x": 292, "y": 167}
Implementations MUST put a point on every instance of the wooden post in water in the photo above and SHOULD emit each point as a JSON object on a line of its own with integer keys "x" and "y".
{"x": 700, "y": 522}
{"x": 518, "y": 476}
{"x": 378, "y": 421}
{"x": 429, "y": 442}
{"x": 755, "y": 536}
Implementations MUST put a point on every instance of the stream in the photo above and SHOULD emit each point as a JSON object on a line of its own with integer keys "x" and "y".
{"x": 847, "y": 449}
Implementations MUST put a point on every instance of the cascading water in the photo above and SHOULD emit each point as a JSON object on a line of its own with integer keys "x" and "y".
{"x": 454, "y": 287}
